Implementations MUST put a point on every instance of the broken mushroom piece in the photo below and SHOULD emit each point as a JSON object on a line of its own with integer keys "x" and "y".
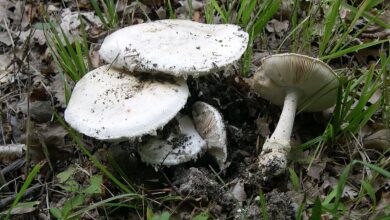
{"x": 176, "y": 47}
{"x": 208, "y": 122}
{"x": 181, "y": 146}
{"x": 291, "y": 80}
{"x": 110, "y": 104}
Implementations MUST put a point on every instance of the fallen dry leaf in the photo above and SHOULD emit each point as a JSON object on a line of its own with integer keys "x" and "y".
{"x": 380, "y": 140}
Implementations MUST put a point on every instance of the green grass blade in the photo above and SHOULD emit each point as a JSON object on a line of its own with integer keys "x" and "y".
{"x": 294, "y": 179}
{"x": 248, "y": 12}
{"x": 85, "y": 44}
{"x": 370, "y": 191}
{"x": 219, "y": 10}
{"x": 241, "y": 10}
{"x": 294, "y": 23}
{"x": 24, "y": 187}
{"x": 330, "y": 21}
{"x": 307, "y": 144}
{"x": 101, "y": 203}
{"x": 359, "y": 13}
{"x": 263, "y": 205}
{"x": 374, "y": 167}
{"x": 329, "y": 197}
{"x": 80, "y": 59}
{"x": 271, "y": 8}
{"x": 316, "y": 210}
{"x": 352, "y": 49}
{"x": 99, "y": 13}
{"x": 301, "y": 208}
{"x": 209, "y": 13}
{"x": 171, "y": 12}
{"x": 294, "y": 32}
{"x": 111, "y": 9}
{"x": 340, "y": 185}
{"x": 367, "y": 15}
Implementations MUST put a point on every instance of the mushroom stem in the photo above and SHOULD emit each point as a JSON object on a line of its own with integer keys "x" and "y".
{"x": 273, "y": 158}
{"x": 284, "y": 127}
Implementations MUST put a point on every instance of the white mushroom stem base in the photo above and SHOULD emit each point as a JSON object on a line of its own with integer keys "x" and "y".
{"x": 273, "y": 158}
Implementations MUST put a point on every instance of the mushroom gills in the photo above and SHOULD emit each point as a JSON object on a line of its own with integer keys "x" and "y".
{"x": 181, "y": 146}
{"x": 209, "y": 123}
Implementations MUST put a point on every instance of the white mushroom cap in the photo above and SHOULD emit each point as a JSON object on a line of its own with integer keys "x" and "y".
{"x": 315, "y": 81}
{"x": 180, "y": 147}
{"x": 208, "y": 121}
{"x": 110, "y": 104}
{"x": 176, "y": 47}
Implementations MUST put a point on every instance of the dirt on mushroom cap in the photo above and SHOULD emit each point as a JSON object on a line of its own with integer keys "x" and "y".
{"x": 176, "y": 47}
{"x": 109, "y": 104}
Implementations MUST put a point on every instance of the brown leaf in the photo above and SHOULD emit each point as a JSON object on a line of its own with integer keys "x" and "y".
{"x": 380, "y": 140}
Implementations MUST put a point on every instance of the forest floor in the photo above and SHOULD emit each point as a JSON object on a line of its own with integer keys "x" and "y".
{"x": 340, "y": 158}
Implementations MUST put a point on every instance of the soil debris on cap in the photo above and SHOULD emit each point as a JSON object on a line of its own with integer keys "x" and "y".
{"x": 110, "y": 104}
{"x": 176, "y": 47}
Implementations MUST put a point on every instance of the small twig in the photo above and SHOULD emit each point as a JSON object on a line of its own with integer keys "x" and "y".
{"x": 13, "y": 166}
{"x": 6, "y": 201}
{"x": 9, "y": 32}
{"x": 11, "y": 150}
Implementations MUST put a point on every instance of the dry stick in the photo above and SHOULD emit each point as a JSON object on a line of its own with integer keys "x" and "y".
{"x": 10, "y": 199}
{"x": 11, "y": 151}
{"x": 13, "y": 166}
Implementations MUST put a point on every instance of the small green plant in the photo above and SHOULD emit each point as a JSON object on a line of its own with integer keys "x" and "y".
{"x": 71, "y": 57}
{"x": 76, "y": 137}
{"x": 153, "y": 216}
{"x": 24, "y": 187}
{"x": 332, "y": 204}
{"x": 385, "y": 71}
{"x": 69, "y": 185}
{"x": 337, "y": 34}
{"x": 109, "y": 15}
{"x": 172, "y": 14}
{"x": 263, "y": 205}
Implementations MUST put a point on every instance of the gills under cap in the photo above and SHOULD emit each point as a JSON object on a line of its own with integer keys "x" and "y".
{"x": 181, "y": 146}
{"x": 209, "y": 123}
{"x": 316, "y": 82}
{"x": 176, "y": 47}
{"x": 110, "y": 104}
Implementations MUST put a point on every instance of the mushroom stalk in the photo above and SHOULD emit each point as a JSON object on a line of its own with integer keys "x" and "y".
{"x": 284, "y": 127}
{"x": 273, "y": 158}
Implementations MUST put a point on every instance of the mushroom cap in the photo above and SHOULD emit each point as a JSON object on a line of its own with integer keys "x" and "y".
{"x": 314, "y": 79}
{"x": 209, "y": 123}
{"x": 110, "y": 104}
{"x": 180, "y": 147}
{"x": 176, "y": 47}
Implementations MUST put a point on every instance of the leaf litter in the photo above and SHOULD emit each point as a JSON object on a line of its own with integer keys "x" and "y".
{"x": 32, "y": 88}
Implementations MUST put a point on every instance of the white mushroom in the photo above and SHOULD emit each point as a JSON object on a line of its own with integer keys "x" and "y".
{"x": 110, "y": 104}
{"x": 291, "y": 80}
{"x": 181, "y": 146}
{"x": 176, "y": 47}
{"x": 208, "y": 121}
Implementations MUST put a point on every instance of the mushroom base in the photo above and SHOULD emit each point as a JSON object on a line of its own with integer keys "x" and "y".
{"x": 273, "y": 159}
